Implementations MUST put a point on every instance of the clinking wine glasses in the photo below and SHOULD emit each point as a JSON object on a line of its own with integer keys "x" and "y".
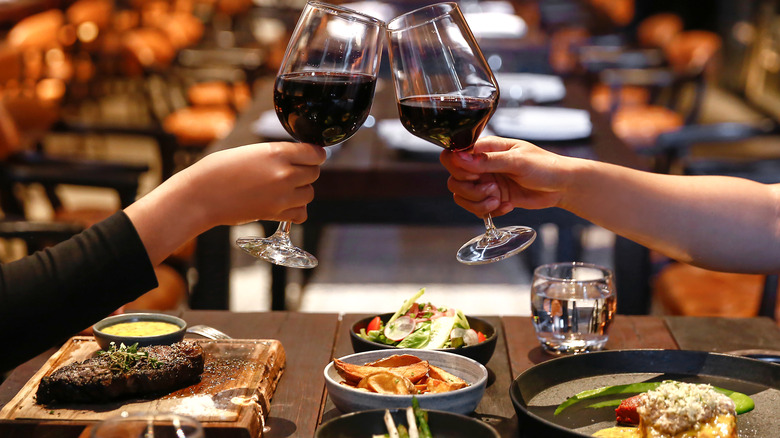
{"x": 322, "y": 95}
{"x": 446, "y": 94}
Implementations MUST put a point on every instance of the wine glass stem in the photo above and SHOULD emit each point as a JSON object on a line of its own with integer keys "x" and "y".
{"x": 283, "y": 231}
{"x": 490, "y": 229}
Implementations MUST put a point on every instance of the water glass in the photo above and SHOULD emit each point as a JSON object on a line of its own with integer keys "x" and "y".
{"x": 148, "y": 425}
{"x": 573, "y": 305}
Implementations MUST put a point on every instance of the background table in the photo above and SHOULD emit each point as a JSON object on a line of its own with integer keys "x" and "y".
{"x": 310, "y": 340}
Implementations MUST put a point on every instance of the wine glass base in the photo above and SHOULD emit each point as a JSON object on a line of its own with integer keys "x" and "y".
{"x": 486, "y": 249}
{"x": 278, "y": 252}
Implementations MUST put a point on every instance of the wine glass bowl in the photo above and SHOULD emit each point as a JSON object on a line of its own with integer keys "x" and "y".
{"x": 323, "y": 108}
{"x": 446, "y": 94}
{"x": 322, "y": 95}
{"x": 452, "y": 122}
{"x": 148, "y": 425}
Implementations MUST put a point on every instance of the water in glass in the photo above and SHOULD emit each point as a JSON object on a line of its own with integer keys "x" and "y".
{"x": 573, "y": 306}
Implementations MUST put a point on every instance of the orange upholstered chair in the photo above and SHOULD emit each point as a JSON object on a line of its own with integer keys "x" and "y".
{"x": 682, "y": 289}
{"x": 658, "y": 30}
{"x": 690, "y": 55}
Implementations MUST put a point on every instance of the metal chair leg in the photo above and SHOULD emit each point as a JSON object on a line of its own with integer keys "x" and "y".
{"x": 769, "y": 297}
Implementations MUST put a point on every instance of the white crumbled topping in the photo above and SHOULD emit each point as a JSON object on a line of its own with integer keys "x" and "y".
{"x": 675, "y": 407}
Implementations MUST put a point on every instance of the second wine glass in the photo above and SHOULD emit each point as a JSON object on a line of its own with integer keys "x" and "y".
{"x": 446, "y": 94}
{"x": 322, "y": 95}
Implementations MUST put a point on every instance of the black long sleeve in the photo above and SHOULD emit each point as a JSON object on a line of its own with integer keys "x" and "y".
{"x": 49, "y": 296}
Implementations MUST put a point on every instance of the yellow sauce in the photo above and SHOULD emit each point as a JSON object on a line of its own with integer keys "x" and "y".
{"x": 619, "y": 432}
{"x": 722, "y": 426}
{"x": 141, "y": 328}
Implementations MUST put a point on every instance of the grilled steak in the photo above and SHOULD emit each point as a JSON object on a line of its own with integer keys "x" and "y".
{"x": 99, "y": 379}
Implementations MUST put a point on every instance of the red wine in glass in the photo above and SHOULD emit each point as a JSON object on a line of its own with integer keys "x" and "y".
{"x": 446, "y": 94}
{"x": 452, "y": 122}
{"x": 322, "y": 96}
{"x": 323, "y": 108}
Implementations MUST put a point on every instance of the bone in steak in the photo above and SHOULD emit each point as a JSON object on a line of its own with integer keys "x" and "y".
{"x": 93, "y": 380}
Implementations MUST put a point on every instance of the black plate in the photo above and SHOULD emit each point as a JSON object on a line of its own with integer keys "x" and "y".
{"x": 772, "y": 358}
{"x": 481, "y": 352}
{"x": 539, "y": 390}
{"x": 765, "y": 355}
{"x": 366, "y": 423}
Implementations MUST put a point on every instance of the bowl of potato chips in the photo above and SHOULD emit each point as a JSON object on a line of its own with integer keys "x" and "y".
{"x": 385, "y": 379}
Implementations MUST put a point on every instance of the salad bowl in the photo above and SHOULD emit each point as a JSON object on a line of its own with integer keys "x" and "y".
{"x": 481, "y": 352}
{"x": 460, "y": 401}
{"x": 367, "y": 423}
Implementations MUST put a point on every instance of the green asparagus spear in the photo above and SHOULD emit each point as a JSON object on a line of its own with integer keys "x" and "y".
{"x": 742, "y": 402}
{"x": 422, "y": 420}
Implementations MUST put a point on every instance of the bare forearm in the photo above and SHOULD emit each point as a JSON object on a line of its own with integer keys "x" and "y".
{"x": 167, "y": 218}
{"x": 714, "y": 222}
{"x": 269, "y": 181}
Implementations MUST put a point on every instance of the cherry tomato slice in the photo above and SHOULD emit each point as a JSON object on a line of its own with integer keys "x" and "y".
{"x": 481, "y": 337}
{"x": 374, "y": 324}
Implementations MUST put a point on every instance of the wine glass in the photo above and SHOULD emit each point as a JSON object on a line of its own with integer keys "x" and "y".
{"x": 322, "y": 95}
{"x": 446, "y": 94}
{"x": 148, "y": 425}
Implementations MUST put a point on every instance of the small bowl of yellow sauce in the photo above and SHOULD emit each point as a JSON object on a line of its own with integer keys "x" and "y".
{"x": 142, "y": 328}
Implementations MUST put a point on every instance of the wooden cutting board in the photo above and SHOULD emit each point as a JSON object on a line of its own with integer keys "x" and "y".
{"x": 231, "y": 400}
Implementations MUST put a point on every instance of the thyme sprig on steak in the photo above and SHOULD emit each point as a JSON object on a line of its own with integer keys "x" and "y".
{"x": 124, "y": 358}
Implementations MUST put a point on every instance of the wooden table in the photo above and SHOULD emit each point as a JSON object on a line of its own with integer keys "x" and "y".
{"x": 300, "y": 403}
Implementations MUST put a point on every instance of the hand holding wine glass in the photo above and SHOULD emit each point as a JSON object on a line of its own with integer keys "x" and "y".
{"x": 322, "y": 95}
{"x": 446, "y": 94}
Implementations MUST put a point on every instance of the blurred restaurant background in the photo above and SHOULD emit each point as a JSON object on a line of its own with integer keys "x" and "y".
{"x": 101, "y": 100}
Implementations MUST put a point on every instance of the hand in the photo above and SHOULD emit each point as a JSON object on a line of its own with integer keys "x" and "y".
{"x": 500, "y": 174}
{"x": 270, "y": 181}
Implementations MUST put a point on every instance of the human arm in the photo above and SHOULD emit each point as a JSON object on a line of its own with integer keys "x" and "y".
{"x": 50, "y": 295}
{"x": 46, "y": 297}
{"x": 715, "y": 222}
{"x": 270, "y": 181}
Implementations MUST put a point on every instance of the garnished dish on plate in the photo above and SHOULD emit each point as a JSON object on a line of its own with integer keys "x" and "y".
{"x": 416, "y": 423}
{"x": 142, "y": 355}
{"x": 400, "y": 374}
{"x": 122, "y": 372}
{"x": 225, "y": 384}
{"x": 425, "y": 326}
{"x": 668, "y": 409}
{"x": 385, "y": 379}
{"x": 582, "y": 395}
{"x": 374, "y": 424}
